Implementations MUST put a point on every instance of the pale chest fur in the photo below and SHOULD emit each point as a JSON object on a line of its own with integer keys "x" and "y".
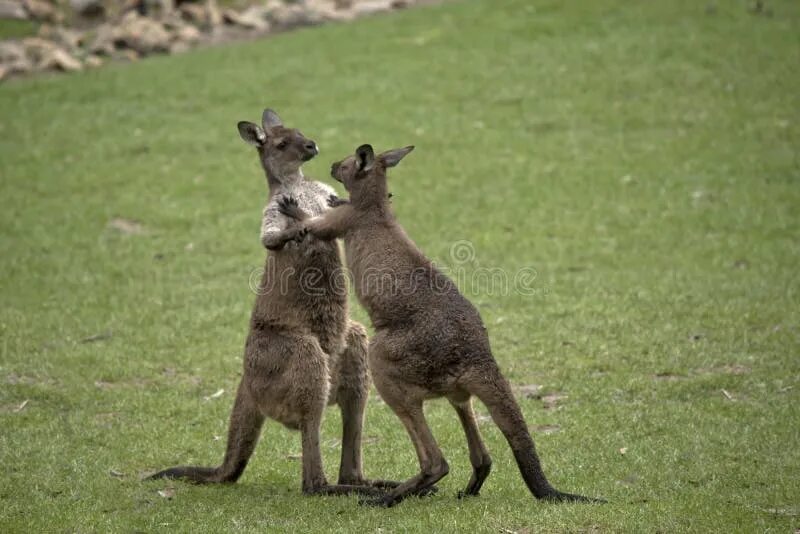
{"x": 309, "y": 269}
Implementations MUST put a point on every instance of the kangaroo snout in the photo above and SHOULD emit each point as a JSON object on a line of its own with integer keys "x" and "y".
{"x": 334, "y": 170}
{"x": 311, "y": 150}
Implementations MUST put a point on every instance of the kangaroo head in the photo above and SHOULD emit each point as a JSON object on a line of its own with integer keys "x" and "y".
{"x": 282, "y": 150}
{"x": 363, "y": 174}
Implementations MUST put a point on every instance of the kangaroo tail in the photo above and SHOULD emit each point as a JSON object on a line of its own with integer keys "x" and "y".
{"x": 496, "y": 394}
{"x": 243, "y": 432}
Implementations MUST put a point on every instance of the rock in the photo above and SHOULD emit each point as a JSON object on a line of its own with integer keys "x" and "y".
{"x": 12, "y": 10}
{"x": 140, "y": 34}
{"x": 152, "y": 8}
{"x": 173, "y": 21}
{"x": 126, "y": 55}
{"x": 179, "y": 47}
{"x": 36, "y": 46}
{"x": 182, "y": 35}
{"x": 47, "y": 55}
{"x": 88, "y": 8}
{"x": 371, "y": 7}
{"x": 41, "y": 10}
{"x": 144, "y": 35}
{"x": 59, "y": 59}
{"x": 103, "y": 42}
{"x": 332, "y": 11}
{"x": 194, "y": 13}
{"x": 92, "y": 61}
{"x": 11, "y": 51}
{"x": 71, "y": 40}
{"x": 253, "y": 18}
{"x": 288, "y": 16}
{"x": 206, "y": 15}
{"x": 328, "y": 12}
{"x": 13, "y": 59}
{"x": 186, "y": 34}
{"x": 213, "y": 14}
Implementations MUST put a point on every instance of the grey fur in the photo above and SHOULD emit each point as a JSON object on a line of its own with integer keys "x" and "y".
{"x": 302, "y": 351}
{"x": 429, "y": 340}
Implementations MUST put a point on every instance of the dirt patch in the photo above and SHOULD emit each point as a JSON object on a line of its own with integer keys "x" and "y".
{"x": 546, "y": 429}
{"x": 27, "y": 380}
{"x": 727, "y": 369}
{"x": 126, "y": 226}
{"x": 667, "y": 376}
{"x": 528, "y": 391}
{"x": 135, "y": 383}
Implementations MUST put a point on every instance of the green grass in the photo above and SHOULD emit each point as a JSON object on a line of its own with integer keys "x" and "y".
{"x": 16, "y": 29}
{"x": 641, "y": 157}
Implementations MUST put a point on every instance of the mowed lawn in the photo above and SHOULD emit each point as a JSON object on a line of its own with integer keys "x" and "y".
{"x": 640, "y": 158}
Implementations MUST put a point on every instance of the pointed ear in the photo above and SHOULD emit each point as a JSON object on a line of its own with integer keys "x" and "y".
{"x": 391, "y": 158}
{"x": 252, "y": 133}
{"x": 365, "y": 157}
{"x": 270, "y": 119}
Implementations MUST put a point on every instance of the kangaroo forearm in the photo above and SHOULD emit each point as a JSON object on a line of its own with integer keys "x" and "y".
{"x": 333, "y": 224}
{"x": 276, "y": 240}
{"x": 325, "y": 229}
{"x": 321, "y": 230}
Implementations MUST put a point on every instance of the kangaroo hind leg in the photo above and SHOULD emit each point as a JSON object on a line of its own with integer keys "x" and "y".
{"x": 478, "y": 454}
{"x": 433, "y": 466}
{"x": 493, "y": 390}
{"x": 351, "y": 395}
{"x": 243, "y": 432}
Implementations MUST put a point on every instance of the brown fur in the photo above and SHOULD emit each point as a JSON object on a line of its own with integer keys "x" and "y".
{"x": 429, "y": 340}
{"x": 302, "y": 352}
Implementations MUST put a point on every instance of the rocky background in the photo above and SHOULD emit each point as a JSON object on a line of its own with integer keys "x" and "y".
{"x": 77, "y": 34}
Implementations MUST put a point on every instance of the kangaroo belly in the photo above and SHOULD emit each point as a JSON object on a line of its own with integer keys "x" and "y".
{"x": 287, "y": 375}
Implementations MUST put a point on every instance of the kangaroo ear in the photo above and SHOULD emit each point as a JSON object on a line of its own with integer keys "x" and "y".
{"x": 252, "y": 133}
{"x": 391, "y": 158}
{"x": 270, "y": 119}
{"x": 365, "y": 157}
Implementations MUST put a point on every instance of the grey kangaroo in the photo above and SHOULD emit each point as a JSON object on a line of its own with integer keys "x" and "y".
{"x": 302, "y": 351}
{"x": 429, "y": 340}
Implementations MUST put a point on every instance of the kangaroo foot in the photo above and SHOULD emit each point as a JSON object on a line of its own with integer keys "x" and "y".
{"x": 557, "y": 496}
{"x": 197, "y": 475}
{"x": 387, "y": 500}
{"x": 344, "y": 489}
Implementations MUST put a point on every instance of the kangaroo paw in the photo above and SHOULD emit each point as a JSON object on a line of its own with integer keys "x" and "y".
{"x": 344, "y": 489}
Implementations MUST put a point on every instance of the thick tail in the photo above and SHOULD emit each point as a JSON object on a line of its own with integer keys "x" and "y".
{"x": 496, "y": 394}
{"x": 243, "y": 432}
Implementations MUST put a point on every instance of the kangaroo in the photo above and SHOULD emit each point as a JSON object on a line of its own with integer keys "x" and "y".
{"x": 302, "y": 352}
{"x": 429, "y": 340}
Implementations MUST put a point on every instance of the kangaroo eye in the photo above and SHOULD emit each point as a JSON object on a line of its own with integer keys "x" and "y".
{"x": 283, "y": 144}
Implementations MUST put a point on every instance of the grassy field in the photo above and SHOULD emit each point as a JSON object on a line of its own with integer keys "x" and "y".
{"x": 641, "y": 157}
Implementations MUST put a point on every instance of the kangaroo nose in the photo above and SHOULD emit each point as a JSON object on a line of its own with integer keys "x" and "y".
{"x": 334, "y": 168}
{"x": 311, "y": 146}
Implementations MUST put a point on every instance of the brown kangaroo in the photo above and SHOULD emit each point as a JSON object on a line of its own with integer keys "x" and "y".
{"x": 302, "y": 351}
{"x": 429, "y": 340}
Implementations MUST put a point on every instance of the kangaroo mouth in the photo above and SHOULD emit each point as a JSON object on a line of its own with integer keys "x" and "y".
{"x": 335, "y": 171}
